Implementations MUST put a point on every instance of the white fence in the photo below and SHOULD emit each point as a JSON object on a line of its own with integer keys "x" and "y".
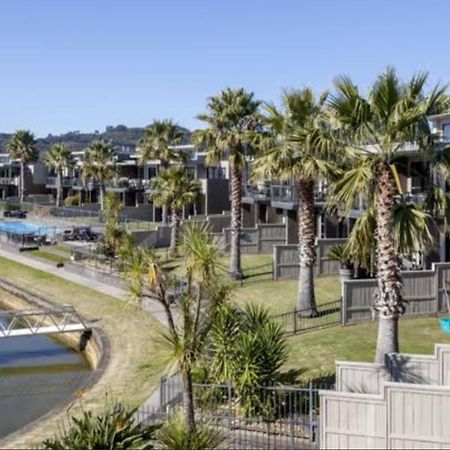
{"x": 405, "y": 404}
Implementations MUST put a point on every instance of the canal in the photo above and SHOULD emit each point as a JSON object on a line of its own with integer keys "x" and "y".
{"x": 37, "y": 373}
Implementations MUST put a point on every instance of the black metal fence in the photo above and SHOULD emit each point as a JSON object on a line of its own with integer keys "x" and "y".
{"x": 270, "y": 417}
{"x": 302, "y": 320}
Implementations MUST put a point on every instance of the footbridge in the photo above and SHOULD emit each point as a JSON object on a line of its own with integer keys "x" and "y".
{"x": 30, "y": 322}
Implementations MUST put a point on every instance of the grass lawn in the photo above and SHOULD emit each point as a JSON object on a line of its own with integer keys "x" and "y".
{"x": 314, "y": 353}
{"x": 138, "y": 356}
{"x": 48, "y": 256}
{"x": 281, "y": 296}
{"x": 61, "y": 248}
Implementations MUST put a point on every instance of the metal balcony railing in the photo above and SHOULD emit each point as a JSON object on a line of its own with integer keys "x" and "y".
{"x": 66, "y": 181}
{"x": 9, "y": 181}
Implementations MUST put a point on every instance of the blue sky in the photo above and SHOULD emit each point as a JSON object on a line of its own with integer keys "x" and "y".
{"x": 84, "y": 64}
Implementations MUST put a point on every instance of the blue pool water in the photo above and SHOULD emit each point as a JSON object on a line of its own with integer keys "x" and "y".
{"x": 26, "y": 228}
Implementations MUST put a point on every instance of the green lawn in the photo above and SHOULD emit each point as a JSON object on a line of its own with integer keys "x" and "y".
{"x": 61, "y": 248}
{"x": 49, "y": 256}
{"x": 314, "y": 353}
{"x": 138, "y": 355}
{"x": 281, "y": 296}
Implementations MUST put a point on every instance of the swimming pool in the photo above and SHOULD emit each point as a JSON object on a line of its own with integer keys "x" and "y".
{"x": 22, "y": 228}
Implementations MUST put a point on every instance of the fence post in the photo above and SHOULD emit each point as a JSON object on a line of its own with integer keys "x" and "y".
{"x": 230, "y": 405}
{"x": 161, "y": 393}
{"x": 294, "y": 315}
{"x": 311, "y": 425}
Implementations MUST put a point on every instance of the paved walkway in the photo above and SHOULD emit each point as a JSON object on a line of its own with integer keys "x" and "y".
{"x": 149, "y": 305}
{"x": 153, "y": 402}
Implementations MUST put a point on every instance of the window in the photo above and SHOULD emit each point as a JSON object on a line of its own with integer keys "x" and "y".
{"x": 446, "y": 132}
{"x": 152, "y": 172}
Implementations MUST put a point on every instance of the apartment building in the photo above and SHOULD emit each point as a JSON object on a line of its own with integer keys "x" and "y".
{"x": 134, "y": 181}
{"x": 276, "y": 202}
{"x": 34, "y": 177}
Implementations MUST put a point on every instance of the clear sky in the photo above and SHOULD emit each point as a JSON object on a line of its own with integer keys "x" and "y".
{"x": 84, "y": 64}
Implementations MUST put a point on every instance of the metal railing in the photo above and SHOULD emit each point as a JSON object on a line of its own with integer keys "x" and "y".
{"x": 298, "y": 321}
{"x": 9, "y": 180}
{"x": 65, "y": 181}
{"x": 17, "y": 323}
{"x": 271, "y": 417}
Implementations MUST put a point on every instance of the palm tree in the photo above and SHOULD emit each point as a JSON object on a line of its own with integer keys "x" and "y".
{"x": 375, "y": 129}
{"x": 158, "y": 142}
{"x": 175, "y": 188}
{"x": 100, "y": 165}
{"x": 301, "y": 149}
{"x": 58, "y": 158}
{"x": 22, "y": 146}
{"x": 198, "y": 305}
{"x": 231, "y": 124}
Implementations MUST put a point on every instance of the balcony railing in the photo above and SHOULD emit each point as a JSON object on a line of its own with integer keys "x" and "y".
{"x": 66, "y": 181}
{"x": 9, "y": 181}
{"x": 256, "y": 192}
{"x": 128, "y": 184}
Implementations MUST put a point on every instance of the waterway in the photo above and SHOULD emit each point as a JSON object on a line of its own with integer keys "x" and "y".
{"x": 36, "y": 374}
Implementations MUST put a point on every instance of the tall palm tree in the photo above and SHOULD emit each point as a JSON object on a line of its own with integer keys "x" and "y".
{"x": 301, "y": 149}
{"x": 22, "y": 146}
{"x": 158, "y": 142}
{"x": 232, "y": 121}
{"x": 58, "y": 158}
{"x": 175, "y": 188}
{"x": 375, "y": 129}
{"x": 100, "y": 165}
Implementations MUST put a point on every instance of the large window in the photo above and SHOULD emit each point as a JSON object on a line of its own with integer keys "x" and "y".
{"x": 446, "y": 132}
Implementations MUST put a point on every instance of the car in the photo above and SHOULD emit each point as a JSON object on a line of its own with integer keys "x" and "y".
{"x": 15, "y": 214}
{"x": 80, "y": 234}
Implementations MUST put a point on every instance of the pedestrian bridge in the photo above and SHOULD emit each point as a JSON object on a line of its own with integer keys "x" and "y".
{"x": 30, "y": 322}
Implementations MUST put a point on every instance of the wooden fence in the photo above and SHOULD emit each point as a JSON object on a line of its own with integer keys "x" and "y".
{"x": 286, "y": 259}
{"x": 404, "y": 404}
{"x": 422, "y": 289}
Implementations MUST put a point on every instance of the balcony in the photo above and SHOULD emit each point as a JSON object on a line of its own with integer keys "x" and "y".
{"x": 252, "y": 193}
{"x": 66, "y": 182}
{"x": 127, "y": 184}
{"x": 9, "y": 181}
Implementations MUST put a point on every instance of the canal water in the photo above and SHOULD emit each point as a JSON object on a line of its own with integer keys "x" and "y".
{"x": 36, "y": 374}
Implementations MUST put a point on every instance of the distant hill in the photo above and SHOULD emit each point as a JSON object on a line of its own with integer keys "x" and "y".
{"x": 120, "y": 136}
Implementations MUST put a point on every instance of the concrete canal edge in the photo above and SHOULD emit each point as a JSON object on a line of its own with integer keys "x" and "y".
{"x": 95, "y": 347}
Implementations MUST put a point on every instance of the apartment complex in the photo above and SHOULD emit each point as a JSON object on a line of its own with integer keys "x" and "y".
{"x": 272, "y": 201}
{"x": 134, "y": 181}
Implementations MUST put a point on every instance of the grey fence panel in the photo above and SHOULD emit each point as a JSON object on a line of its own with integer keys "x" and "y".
{"x": 286, "y": 259}
{"x": 349, "y": 420}
{"x": 422, "y": 290}
{"x": 403, "y": 416}
{"x": 360, "y": 377}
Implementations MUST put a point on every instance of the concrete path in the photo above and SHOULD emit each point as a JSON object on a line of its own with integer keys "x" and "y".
{"x": 149, "y": 305}
{"x": 153, "y": 402}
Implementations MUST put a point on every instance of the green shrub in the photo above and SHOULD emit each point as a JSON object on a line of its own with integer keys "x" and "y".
{"x": 114, "y": 428}
{"x": 73, "y": 200}
{"x": 174, "y": 435}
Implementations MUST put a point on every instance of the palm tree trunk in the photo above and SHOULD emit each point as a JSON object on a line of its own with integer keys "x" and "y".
{"x": 188, "y": 399}
{"x": 22, "y": 182}
{"x": 164, "y": 214}
{"x": 175, "y": 222}
{"x": 236, "y": 221}
{"x": 306, "y": 301}
{"x": 58, "y": 187}
{"x": 388, "y": 301}
{"x": 102, "y": 195}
